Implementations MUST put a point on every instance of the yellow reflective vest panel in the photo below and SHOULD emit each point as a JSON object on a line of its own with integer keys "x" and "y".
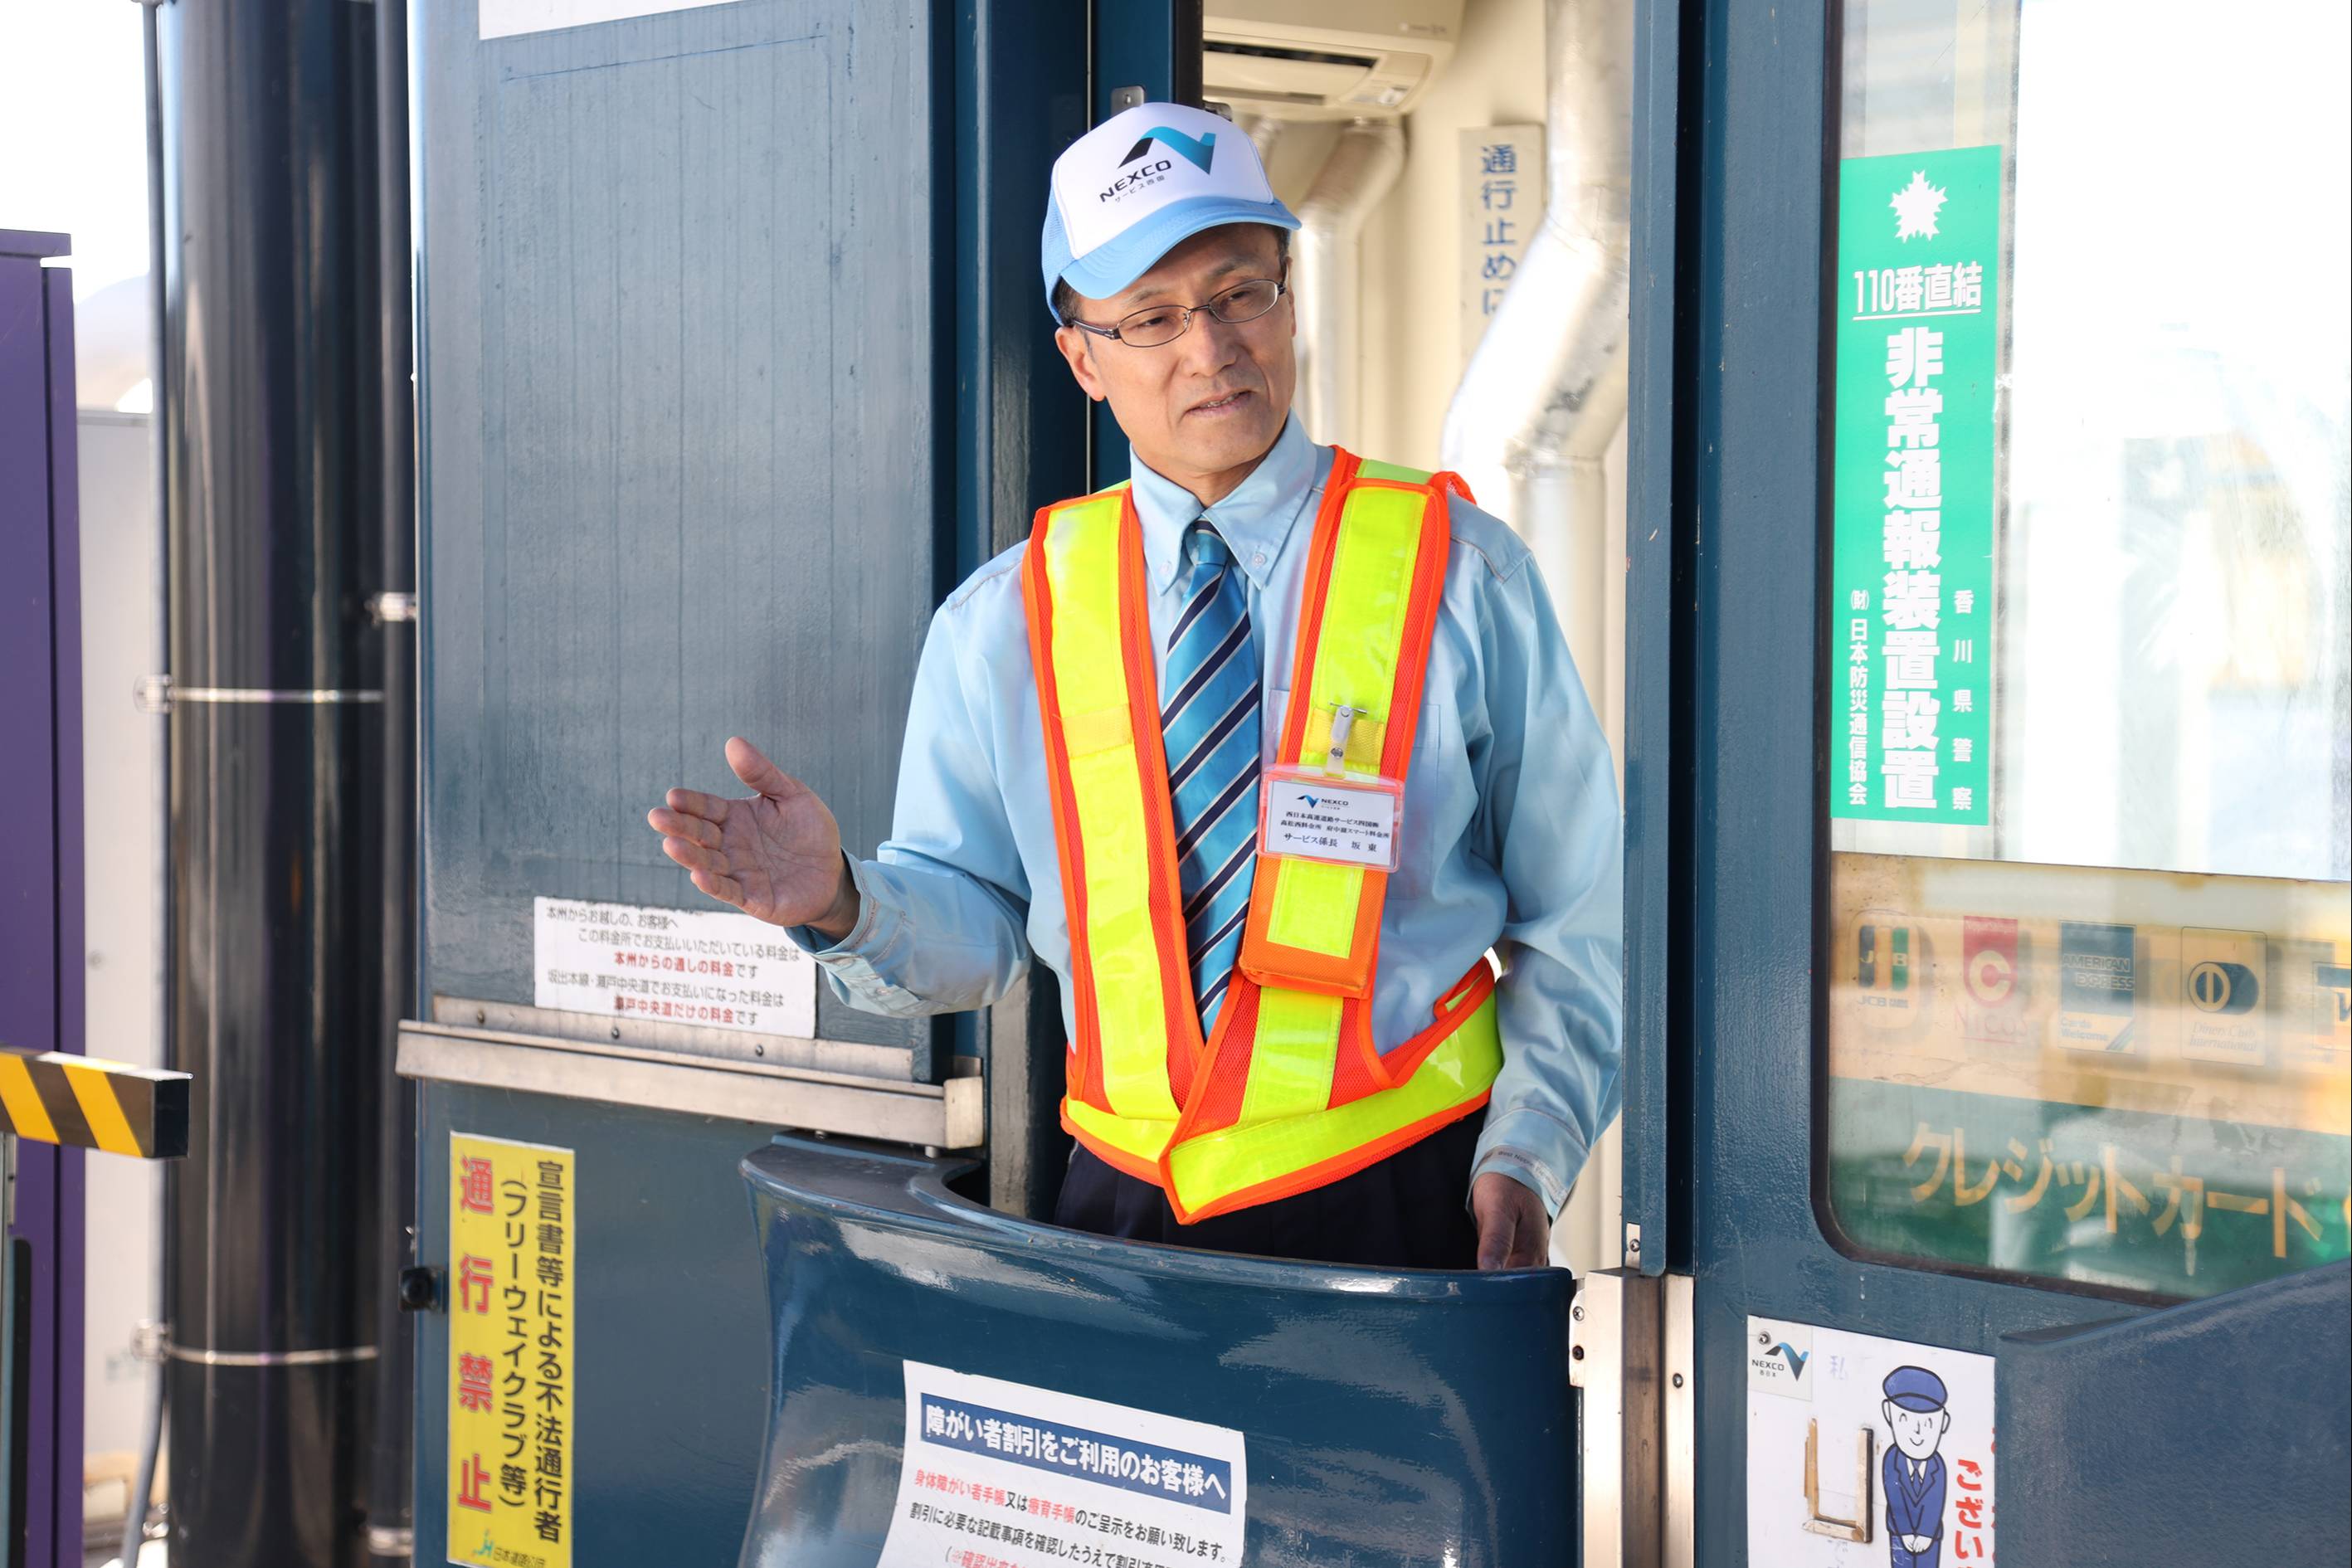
{"x": 1289, "y": 1092}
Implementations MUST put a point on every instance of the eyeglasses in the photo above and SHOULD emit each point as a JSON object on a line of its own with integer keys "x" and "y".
{"x": 1156, "y": 325}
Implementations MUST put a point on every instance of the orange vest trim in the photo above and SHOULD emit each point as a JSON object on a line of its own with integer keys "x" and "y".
{"x": 1290, "y": 1092}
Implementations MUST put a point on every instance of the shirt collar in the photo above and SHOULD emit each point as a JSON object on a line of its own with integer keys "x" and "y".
{"x": 1254, "y": 520}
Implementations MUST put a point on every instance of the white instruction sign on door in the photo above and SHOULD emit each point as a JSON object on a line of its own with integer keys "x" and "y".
{"x": 1018, "y": 1477}
{"x": 715, "y": 968}
{"x": 1864, "y": 1452}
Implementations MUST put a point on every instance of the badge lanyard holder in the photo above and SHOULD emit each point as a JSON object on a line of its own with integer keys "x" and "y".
{"x": 1329, "y": 813}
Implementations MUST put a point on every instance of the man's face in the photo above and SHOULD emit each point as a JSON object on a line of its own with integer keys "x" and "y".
{"x": 1916, "y": 1432}
{"x": 1212, "y": 401}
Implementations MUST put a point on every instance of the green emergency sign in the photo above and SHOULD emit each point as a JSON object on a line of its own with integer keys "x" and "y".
{"x": 1911, "y": 593}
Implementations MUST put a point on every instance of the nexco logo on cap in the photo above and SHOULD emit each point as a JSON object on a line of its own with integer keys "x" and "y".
{"x": 1135, "y": 187}
{"x": 1202, "y": 153}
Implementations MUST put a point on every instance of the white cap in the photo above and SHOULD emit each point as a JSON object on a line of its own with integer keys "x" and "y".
{"x": 1141, "y": 183}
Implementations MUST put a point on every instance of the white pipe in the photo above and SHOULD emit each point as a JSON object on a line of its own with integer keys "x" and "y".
{"x": 1545, "y": 391}
{"x": 1263, "y": 131}
{"x": 1327, "y": 276}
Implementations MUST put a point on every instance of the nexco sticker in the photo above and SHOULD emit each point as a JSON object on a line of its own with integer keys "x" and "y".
{"x": 1863, "y": 1451}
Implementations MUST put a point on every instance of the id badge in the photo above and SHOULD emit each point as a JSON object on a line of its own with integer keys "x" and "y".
{"x": 1343, "y": 819}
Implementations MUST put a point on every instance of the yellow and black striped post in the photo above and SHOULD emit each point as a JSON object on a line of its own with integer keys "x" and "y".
{"x": 52, "y": 1098}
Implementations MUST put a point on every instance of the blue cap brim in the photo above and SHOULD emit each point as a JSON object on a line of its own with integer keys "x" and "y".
{"x": 1113, "y": 267}
{"x": 1918, "y": 1403}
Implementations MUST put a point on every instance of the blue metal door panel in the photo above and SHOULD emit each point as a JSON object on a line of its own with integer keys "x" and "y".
{"x": 1154, "y": 45}
{"x": 2231, "y": 1462}
{"x": 1737, "y": 826}
{"x": 682, "y": 469}
{"x": 1414, "y": 1417}
{"x": 670, "y": 1331}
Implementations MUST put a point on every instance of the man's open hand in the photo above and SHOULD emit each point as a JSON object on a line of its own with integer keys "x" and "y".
{"x": 1513, "y": 1230}
{"x": 776, "y": 854}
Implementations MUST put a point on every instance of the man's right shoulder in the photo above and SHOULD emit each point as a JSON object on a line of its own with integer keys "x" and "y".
{"x": 999, "y": 580}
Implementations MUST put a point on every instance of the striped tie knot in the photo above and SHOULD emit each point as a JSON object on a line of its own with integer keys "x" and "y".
{"x": 1210, "y": 726}
{"x": 1205, "y": 547}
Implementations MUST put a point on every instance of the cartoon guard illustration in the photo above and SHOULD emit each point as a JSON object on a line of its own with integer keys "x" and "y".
{"x": 1913, "y": 1474}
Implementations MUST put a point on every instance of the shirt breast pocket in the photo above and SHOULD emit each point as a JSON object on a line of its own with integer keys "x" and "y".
{"x": 1438, "y": 733}
{"x": 1438, "y": 799}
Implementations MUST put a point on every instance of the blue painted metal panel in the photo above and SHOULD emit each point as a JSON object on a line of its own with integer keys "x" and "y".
{"x": 1743, "y": 1209}
{"x": 1751, "y": 266}
{"x": 681, "y": 429}
{"x": 1656, "y": 725}
{"x": 1021, "y": 443}
{"x": 1154, "y": 45}
{"x": 2218, "y": 1432}
{"x": 670, "y": 1336}
{"x": 1415, "y": 1417}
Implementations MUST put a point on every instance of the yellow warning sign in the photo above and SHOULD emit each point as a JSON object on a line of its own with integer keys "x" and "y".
{"x": 512, "y": 1220}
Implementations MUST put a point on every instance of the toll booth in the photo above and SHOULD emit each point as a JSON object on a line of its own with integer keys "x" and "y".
{"x": 1971, "y": 1084}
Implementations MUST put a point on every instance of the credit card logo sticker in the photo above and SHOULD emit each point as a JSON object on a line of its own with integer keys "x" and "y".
{"x": 2334, "y": 983}
{"x": 1992, "y": 1009}
{"x": 1991, "y": 976}
{"x": 2223, "y": 1018}
{"x": 1890, "y": 974}
{"x": 2223, "y": 988}
{"x": 2096, "y": 981}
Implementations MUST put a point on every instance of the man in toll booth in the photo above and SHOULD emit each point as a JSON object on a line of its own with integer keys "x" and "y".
{"x": 1264, "y": 755}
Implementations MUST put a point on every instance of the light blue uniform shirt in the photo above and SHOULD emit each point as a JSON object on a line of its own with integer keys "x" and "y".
{"x": 1511, "y": 838}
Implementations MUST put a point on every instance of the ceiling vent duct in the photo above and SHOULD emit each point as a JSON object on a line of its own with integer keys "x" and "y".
{"x": 1325, "y": 59}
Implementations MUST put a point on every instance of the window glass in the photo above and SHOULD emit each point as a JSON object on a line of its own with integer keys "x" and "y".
{"x": 2089, "y": 603}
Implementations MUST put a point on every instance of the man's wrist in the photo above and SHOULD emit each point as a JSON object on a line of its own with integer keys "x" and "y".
{"x": 841, "y": 918}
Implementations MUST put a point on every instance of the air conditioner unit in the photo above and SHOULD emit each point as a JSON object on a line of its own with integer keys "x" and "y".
{"x": 1325, "y": 59}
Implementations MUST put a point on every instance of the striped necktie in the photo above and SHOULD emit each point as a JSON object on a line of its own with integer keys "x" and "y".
{"x": 1211, "y": 725}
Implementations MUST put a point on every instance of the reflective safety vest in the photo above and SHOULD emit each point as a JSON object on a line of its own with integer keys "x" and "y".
{"x": 1288, "y": 1093}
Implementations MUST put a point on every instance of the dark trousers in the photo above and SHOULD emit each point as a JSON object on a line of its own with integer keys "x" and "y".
{"x": 1407, "y": 1211}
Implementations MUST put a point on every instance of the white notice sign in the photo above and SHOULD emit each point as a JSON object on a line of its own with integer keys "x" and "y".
{"x": 1864, "y": 1452}
{"x": 716, "y": 968}
{"x": 1017, "y": 1476}
{"x": 508, "y": 18}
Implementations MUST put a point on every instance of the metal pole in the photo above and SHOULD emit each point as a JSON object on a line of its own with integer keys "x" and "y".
{"x": 390, "y": 1531}
{"x": 271, "y": 339}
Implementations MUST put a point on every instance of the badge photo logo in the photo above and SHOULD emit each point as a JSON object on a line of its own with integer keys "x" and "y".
{"x": 1793, "y": 1356}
